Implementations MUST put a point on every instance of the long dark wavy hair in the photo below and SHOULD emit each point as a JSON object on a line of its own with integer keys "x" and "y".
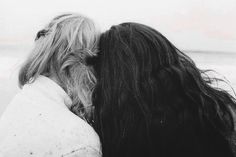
{"x": 151, "y": 99}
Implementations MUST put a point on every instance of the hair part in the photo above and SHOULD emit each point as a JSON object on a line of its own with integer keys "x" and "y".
{"x": 60, "y": 51}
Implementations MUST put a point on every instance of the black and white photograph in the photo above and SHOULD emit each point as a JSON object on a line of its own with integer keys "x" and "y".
{"x": 125, "y": 78}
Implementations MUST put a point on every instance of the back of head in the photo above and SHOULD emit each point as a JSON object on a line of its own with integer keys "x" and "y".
{"x": 59, "y": 52}
{"x": 151, "y": 99}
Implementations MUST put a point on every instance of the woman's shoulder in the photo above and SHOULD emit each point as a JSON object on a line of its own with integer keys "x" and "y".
{"x": 81, "y": 131}
{"x": 60, "y": 132}
{"x": 77, "y": 136}
{"x": 46, "y": 128}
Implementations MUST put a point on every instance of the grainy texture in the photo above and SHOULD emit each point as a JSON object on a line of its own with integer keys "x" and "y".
{"x": 38, "y": 123}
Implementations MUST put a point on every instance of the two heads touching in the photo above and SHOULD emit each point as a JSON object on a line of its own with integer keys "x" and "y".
{"x": 141, "y": 94}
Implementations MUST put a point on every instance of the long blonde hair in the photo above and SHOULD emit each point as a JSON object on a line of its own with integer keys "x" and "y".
{"x": 60, "y": 51}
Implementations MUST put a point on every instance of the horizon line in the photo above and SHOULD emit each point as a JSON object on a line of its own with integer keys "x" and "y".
{"x": 29, "y": 46}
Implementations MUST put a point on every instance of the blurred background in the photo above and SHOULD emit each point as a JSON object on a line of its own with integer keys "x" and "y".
{"x": 204, "y": 29}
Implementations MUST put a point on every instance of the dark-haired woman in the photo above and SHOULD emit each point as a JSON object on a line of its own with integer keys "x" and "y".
{"x": 152, "y": 101}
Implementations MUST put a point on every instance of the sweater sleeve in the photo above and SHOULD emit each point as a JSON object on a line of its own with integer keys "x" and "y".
{"x": 84, "y": 152}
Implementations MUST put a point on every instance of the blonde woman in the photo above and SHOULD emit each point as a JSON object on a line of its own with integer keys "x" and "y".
{"x": 48, "y": 116}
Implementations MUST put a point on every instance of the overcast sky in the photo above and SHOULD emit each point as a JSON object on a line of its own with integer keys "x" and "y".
{"x": 189, "y": 24}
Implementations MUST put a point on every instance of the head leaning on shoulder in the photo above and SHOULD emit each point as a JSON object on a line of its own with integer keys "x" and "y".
{"x": 151, "y": 99}
{"x": 59, "y": 52}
